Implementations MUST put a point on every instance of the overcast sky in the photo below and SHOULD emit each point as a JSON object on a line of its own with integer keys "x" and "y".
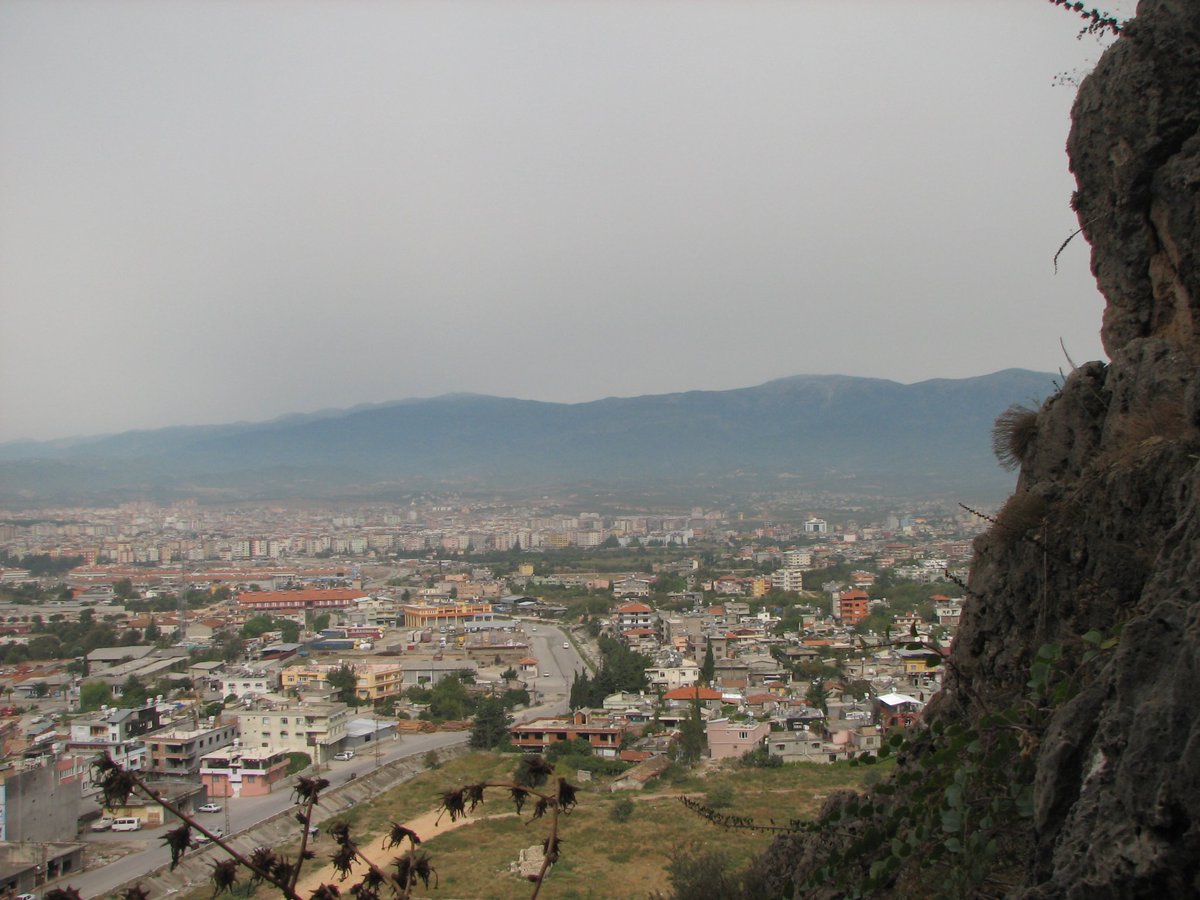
{"x": 214, "y": 211}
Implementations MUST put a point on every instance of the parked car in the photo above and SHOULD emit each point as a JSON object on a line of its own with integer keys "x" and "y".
{"x": 26, "y": 897}
{"x": 545, "y": 674}
{"x": 566, "y": 645}
{"x": 205, "y": 839}
{"x": 209, "y": 807}
{"x": 127, "y": 823}
{"x": 103, "y": 823}
{"x": 343, "y": 755}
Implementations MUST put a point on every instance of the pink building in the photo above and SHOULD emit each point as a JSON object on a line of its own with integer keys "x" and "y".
{"x": 728, "y": 739}
{"x": 238, "y": 772}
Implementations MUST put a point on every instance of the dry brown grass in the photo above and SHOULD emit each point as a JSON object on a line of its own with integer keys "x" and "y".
{"x": 1014, "y": 434}
{"x": 1022, "y": 513}
{"x": 1164, "y": 418}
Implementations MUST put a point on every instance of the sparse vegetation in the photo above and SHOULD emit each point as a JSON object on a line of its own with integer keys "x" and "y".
{"x": 1014, "y": 434}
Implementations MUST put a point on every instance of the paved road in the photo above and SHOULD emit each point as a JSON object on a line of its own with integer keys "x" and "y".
{"x": 245, "y": 812}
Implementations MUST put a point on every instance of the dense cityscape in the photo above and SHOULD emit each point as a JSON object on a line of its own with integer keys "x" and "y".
{"x": 180, "y": 641}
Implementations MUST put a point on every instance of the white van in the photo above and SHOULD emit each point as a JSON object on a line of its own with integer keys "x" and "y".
{"x": 127, "y": 823}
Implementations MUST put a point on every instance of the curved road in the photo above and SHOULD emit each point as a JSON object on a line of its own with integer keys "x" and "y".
{"x": 245, "y": 812}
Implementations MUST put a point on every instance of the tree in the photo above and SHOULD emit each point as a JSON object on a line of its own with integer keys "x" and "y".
{"x": 257, "y": 626}
{"x": 818, "y": 696}
{"x": 693, "y": 738}
{"x": 321, "y": 622}
{"x": 93, "y": 695}
{"x": 290, "y": 631}
{"x": 708, "y": 668}
{"x": 490, "y": 729}
{"x": 449, "y": 699}
{"x": 345, "y": 682}
{"x": 133, "y": 692}
{"x": 123, "y": 589}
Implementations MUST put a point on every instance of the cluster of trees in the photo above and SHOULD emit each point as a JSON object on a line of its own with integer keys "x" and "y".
{"x": 40, "y": 564}
{"x": 449, "y": 699}
{"x": 260, "y": 625}
{"x": 134, "y": 693}
{"x": 59, "y": 639}
{"x": 621, "y": 669}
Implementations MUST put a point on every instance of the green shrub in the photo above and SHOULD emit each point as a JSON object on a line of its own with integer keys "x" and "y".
{"x": 622, "y": 810}
{"x": 719, "y": 796}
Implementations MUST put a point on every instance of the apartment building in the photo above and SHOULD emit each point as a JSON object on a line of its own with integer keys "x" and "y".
{"x": 373, "y": 681}
{"x": 312, "y": 727}
{"x": 177, "y": 753}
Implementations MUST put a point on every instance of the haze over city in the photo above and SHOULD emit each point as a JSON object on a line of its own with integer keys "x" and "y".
{"x": 220, "y": 212}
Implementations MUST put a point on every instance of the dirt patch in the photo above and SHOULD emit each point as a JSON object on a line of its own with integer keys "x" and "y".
{"x": 427, "y": 826}
{"x": 100, "y": 853}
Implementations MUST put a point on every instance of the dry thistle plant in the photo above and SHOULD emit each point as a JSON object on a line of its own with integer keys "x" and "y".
{"x": 534, "y": 780}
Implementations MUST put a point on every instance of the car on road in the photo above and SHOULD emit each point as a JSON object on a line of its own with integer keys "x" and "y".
{"x": 545, "y": 674}
{"x": 205, "y": 839}
{"x": 26, "y": 897}
{"x": 127, "y": 823}
{"x": 343, "y": 755}
{"x": 209, "y": 807}
{"x": 103, "y": 823}
{"x": 566, "y": 645}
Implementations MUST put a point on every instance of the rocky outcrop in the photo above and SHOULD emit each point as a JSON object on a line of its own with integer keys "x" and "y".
{"x": 1101, "y": 539}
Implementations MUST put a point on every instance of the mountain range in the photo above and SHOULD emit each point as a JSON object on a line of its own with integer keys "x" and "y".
{"x": 846, "y": 433}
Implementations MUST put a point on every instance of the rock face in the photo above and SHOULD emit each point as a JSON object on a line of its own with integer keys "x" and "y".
{"x": 1103, "y": 533}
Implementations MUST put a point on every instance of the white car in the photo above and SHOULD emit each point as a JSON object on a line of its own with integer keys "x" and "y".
{"x": 566, "y": 645}
{"x": 202, "y": 839}
{"x": 545, "y": 674}
{"x": 209, "y": 807}
{"x": 343, "y": 755}
{"x": 103, "y": 823}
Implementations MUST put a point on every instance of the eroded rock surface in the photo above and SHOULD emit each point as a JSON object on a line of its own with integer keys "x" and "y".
{"x": 1113, "y": 478}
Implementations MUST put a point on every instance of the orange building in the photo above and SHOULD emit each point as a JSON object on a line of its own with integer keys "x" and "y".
{"x": 853, "y": 606}
{"x": 298, "y": 601}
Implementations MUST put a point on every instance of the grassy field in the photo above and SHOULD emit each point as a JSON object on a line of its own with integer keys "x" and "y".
{"x": 602, "y": 858}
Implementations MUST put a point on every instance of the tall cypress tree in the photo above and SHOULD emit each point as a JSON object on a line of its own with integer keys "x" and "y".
{"x": 708, "y": 668}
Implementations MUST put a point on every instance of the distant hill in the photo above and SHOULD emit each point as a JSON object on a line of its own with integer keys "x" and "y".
{"x": 932, "y": 437}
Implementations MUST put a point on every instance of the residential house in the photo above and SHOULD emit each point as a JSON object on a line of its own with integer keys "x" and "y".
{"x": 729, "y": 739}
{"x": 631, "y": 587}
{"x": 634, "y": 615}
{"x": 897, "y": 710}
{"x": 669, "y": 677}
{"x": 603, "y": 733}
{"x": 241, "y": 772}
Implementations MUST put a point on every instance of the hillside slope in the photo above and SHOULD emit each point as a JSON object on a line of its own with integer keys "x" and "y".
{"x": 1063, "y": 758}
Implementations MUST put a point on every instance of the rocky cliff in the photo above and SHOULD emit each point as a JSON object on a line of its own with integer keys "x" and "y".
{"x": 1062, "y": 758}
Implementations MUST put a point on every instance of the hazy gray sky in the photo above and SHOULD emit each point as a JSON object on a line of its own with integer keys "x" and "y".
{"x": 212, "y": 211}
